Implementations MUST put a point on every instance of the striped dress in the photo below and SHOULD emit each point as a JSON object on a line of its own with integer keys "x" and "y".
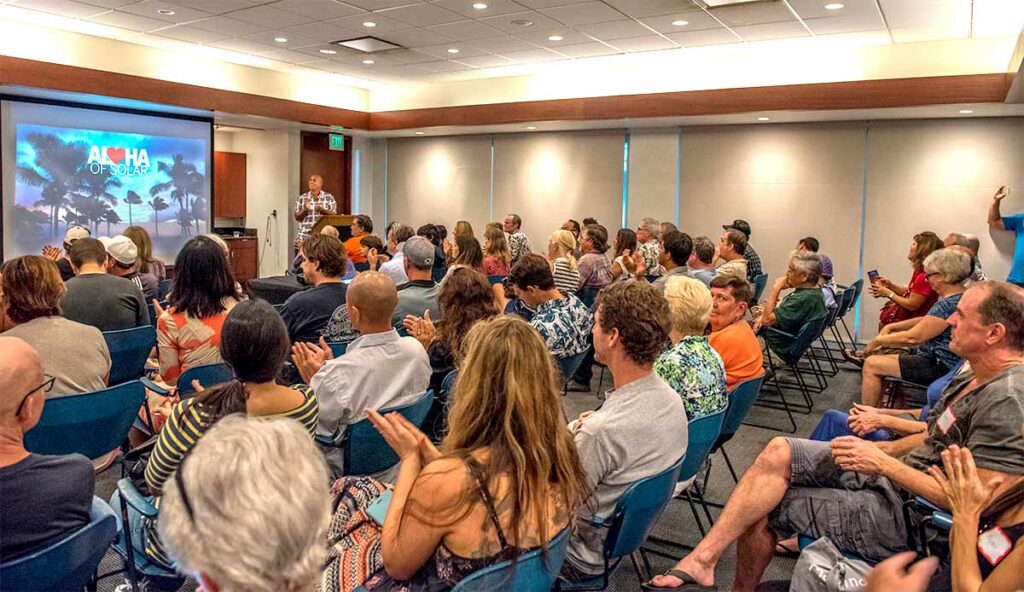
{"x": 186, "y": 424}
{"x": 567, "y": 279}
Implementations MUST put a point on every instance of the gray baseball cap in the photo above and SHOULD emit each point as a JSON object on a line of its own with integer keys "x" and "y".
{"x": 419, "y": 251}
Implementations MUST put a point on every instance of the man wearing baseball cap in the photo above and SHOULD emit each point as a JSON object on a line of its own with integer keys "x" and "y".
{"x": 95, "y": 297}
{"x": 419, "y": 294}
{"x": 121, "y": 257}
{"x": 51, "y": 252}
{"x": 750, "y": 255}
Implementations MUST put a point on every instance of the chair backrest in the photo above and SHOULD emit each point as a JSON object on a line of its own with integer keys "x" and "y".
{"x": 760, "y": 281}
{"x": 449, "y": 381}
{"x": 531, "y": 571}
{"x": 807, "y": 335}
{"x": 67, "y": 564}
{"x": 495, "y": 279}
{"x": 637, "y": 510}
{"x": 741, "y": 399}
{"x": 569, "y": 364}
{"x": 207, "y": 375}
{"x": 338, "y": 348}
{"x": 651, "y": 278}
{"x": 844, "y": 296}
{"x": 92, "y": 424}
{"x": 857, "y": 287}
{"x": 163, "y": 289}
{"x": 701, "y": 435}
{"x": 364, "y": 450}
{"x": 129, "y": 350}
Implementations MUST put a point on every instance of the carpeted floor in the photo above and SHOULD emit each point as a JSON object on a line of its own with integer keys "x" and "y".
{"x": 677, "y": 523}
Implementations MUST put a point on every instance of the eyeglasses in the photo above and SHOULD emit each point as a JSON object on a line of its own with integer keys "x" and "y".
{"x": 46, "y": 387}
{"x": 180, "y": 482}
{"x": 928, "y": 275}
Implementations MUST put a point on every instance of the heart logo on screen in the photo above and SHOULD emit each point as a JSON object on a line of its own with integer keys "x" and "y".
{"x": 115, "y": 155}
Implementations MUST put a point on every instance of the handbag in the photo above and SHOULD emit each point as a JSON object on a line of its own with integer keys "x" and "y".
{"x": 822, "y": 568}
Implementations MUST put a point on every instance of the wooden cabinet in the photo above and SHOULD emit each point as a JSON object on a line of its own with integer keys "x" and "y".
{"x": 243, "y": 255}
{"x": 229, "y": 169}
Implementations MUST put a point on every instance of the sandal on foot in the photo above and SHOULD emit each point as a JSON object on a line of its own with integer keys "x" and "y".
{"x": 784, "y": 551}
{"x": 853, "y": 357}
{"x": 689, "y": 583}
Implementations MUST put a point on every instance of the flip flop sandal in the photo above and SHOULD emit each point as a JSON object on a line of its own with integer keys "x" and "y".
{"x": 853, "y": 358}
{"x": 689, "y": 584}
{"x": 782, "y": 551}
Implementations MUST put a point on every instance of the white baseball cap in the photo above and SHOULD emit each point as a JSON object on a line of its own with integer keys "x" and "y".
{"x": 121, "y": 248}
{"x": 76, "y": 232}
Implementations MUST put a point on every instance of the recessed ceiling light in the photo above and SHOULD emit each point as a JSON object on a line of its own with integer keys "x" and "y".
{"x": 680, "y": 23}
{"x": 531, "y": 127}
{"x": 764, "y": 119}
{"x": 966, "y": 111}
{"x": 281, "y": 39}
{"x": 521, "y": 23}
{"x": 327, "y": 51}
{"x": 165, "y": 12}
{"x": 453, "y": 50}
{"x": 368, "y": 62}
{"x": 369, "y": 24}
{"x": 555, "y": 38}
{"x": 419, "y": 133}
{"x": 479, "y": 5}
{"x": 835, "y": 6}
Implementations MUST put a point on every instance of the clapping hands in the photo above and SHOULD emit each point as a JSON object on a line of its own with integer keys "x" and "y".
{"x": 309, "y": 358}
{"x": 408, "y": 442}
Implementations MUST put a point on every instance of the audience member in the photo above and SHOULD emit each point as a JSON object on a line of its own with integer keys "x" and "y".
{"x": 507, "y": 477}
{"x": 828, "y": 287}
{"x": 564, "y": 266}
{"x": 647, "y": 234}
{"x": 463, "y": 228}
{"x": 594, "y": 267}
{"x": 916, "y": 298}
{"x": 147, "y": 263}
{"x": 374, "y": 250}
{"x": 418, "y": 296}
{"x": 379, "y": 370}
{"x": 270, "y": 505}
{"x": 518, "y": 244}
{"x": 76, "y": 355}
{"x": 947, "y": 271}
{"x": 469, "y": 254}
{"x": 731, "y": 247}
{"x": 497, "y": 260}
{"x": 561, "y": 319}
{"x": 691, "y": 366}
{"x": 590, "y": 221}
{"x": 674, "y": 251}
{"x": 44, "y": 497}
{"x": 202, "y": 294}
{"x": 1015, "y": 224}
{"x": 573, "y": 227}
{"x": 702, "y": 260}
{"x": 625, "y": 247}
{"x": 122, "y": 262}
{"x": 667, "y": 227}
{"x": 971, "y": 245}
{"x": 307, "y": 313}
{"x": 804, "y": 305}
{"x": 331, "y": 231}
{"x": 440, "y": 268}
{"x": 640, "y": 430}
{"x": 72, "y": 234}
{"x": 254, "y": 343}
{"x": 808, "y": 243}
{"x": 731, "y": 335}
{"x": 95, "y": 297}
{"x": 313, "y": 205}
{"x": 361, "y": 226}
{"x": 749, "y": 254}
{"x": 395, "y": 268}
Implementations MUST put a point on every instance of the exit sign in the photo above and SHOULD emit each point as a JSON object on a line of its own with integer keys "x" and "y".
{"x": 337, "y": 141}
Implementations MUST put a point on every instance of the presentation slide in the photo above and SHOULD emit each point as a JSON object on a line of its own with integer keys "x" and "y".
{"x": 105, "y": 170}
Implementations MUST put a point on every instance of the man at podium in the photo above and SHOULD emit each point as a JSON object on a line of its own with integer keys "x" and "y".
{"x": 313, "y": 205}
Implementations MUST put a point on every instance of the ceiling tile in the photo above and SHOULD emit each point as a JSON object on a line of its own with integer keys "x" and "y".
{"x": 128, "y": 21}
{"x": 416, "y": 38}
{"x": 719, "y": 36}
{"x": 504, "y": 22}
{"x": 466, "y": 31}
{"x": 538, "y": 4}
{"x": 62, "y": 7}
{"x": 753, "y": 14}
{"x": 771, "y": 31}
{"x": 487, "y": 61}
{"x": 269, "y": 16}
{"x": 569, "y": 37}
{"x": 615, "y": 30}
{"x": 649, "y": 43}
{"x": 441, "y": 51}
{"x": 267, "y": 38}
{"x": 213, "y": 7}
{"x": 314, "y": 50}
{"x": 695, "y": 21}
{"x": 191, "y": 34}
{"x": 318, "y": 10}
{"x": 401, "y": 71}
{"x": 845, "y": 24}
{"x": 422, "y": 15}
{"x": 586, "y": 50}
{"x": 292, "y": 57}
{"x": 240, "y": 45}
{"x": 582, "y": 14}
{"x": 228, "y": 26}
{"x": 384, "y": 24}
{"x": 502, "y": 44}
{"x": 445, "y": 66}
{"x": 914, "y": 20}
{"x": 320, "y": 32}
{"x": 816, "y": 8}
{"x": 648, "y": 8}
{"x": 405, "y": 56}
{"x": 151, "y": 8}
{"x": 534, "y": 55}
{"x": 377, "y": 4}
{"x": 111, "y": 3}
{"x": 997, "y": 17}
{"x": 494, "y": 7}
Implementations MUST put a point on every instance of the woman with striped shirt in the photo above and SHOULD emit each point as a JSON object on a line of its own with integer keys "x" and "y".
{"x": 254, "y": 342}
{"x": 561, "y": 249}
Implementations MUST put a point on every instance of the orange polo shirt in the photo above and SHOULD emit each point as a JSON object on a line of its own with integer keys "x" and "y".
{"x": 740, "y": 351}
{"x": 353, "y": 250}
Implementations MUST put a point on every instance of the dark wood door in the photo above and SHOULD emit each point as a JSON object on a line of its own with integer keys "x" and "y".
{"x": 335, "y": 166}
{"x": 229, "y": 190}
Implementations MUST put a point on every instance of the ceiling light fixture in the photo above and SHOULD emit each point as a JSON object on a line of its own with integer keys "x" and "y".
{"x": 369, "y": 24}
{"x": 555, "y": 38}
{"x": 479, "y": 5}
{"x": 764, "y": 119}
{"x": 453, "y": 50}
{"x": 368, "y": 62}
{"x": 835, "y": 6}
{"x": 165, "y": 12}
{"x": 680, "y": 23}
{"x": 327, "y": 51}
{"x": 531, "y": 127}
{"x": 966, "y": 111}
{"x": 521, "y": 23}
{"x": 281, "y": 39}
{"x": 419, "y": 133}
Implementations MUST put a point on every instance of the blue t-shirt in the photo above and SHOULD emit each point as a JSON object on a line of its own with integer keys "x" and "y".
{"x": 938, "y": 346}
{"x": 1016, "y": 224}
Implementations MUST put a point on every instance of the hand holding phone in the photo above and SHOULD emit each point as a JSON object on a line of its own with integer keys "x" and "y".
{"x": 873, "y": 276}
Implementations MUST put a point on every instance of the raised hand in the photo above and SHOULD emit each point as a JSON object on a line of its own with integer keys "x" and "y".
{"x": 158, "y": 310}
{"x": 51, "y": 252}
{"x": 1002, "y": 192}
{"x": 963, "y": 487}
{"x": 405, "y": 442}
{"x": 371, "y": 257}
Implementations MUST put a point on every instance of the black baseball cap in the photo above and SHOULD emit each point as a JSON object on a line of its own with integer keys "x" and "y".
{"x": 740, "y": 225}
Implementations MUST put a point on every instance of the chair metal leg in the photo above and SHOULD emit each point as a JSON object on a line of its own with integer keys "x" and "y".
{"x": 133, "y": 576}
{"x": 696, "y": 516}
{"x": 769, "y": 404}
{"x": 728, "y": 463}
{"x": 647, "y": 564}
{"x": 637, "y": 567}
{"x": 707, "y": 511}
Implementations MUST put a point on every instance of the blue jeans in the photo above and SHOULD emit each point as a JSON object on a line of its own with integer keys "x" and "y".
{"x": 833, "y": 425}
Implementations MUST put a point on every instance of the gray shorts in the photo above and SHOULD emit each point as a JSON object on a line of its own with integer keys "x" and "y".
{"x": 860, "y": 514}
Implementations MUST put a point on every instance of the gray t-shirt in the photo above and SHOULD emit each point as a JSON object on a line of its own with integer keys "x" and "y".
{"x": 414, "y": 297}
{"x": 638, "y": 432}
{"x": 73, "y": 353}
{"x": 105, "y": 301}
{"x": 987, "y": 422}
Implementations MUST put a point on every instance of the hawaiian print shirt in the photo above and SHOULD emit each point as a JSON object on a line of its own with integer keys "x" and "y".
{"x": 518, "y": 245}
{"x": 324, "y": 200}
{"x": 564, "y": 323}
{"x": 651, "y": 252}
{"x": 697, "y": 373}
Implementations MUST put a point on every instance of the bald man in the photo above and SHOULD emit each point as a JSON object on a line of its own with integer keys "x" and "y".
{"x": 44, "y": 497}
{"x": 379, "y": 370}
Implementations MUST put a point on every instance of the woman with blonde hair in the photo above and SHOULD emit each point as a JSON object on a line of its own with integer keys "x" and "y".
{"x": 463, "y": 228}
{"x": 506, "y": 480}
{"x": 497, "y": 258}
{"x": 561, "y": 255}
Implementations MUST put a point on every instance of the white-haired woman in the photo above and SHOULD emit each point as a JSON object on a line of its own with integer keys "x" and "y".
{"x": 256, "y": 523}
{"x": 561, "y": 255}
{"x": 946, "y": 270}
{"x": 691, "y": 367}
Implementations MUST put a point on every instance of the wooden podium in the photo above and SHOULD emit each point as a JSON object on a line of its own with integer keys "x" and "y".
{"x": 343, "y": 222}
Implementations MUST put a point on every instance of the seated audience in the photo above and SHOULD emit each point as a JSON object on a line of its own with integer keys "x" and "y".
{"x": 361, "y": 226}
{"x": 518, "y": 243}
{"x": 928, "y": 336}
{"x": 750, "y": 256}
{"x": 647, "y": 234}
{"x": 418, "y": 296}
{"x": 202, "y": 294}
{"x": 564, "y": 266}
{"x": 691, "y": 366}
{"x": 731, "y": 335}
{"x": 594, "y": 267}
{"x": 379, "y": 369}
{"x": 917, "y": 297}
{"x": 625, "y": 247}
{"x": 702, "y": 260}
{"x": 971, "y": 245}
{"x": 468, "y": 254}
{"x": 667, "y": 227}
{"x": 95, "y": 297}
{"x": 76, "y": 355}
{"x": 828, "y": 287}
{"x": 255, "y": 344}
{"x": 72, "y": 234}
{"x": 497, "y": 260}
{"x": 270, "y": 506}
{"x": 122, "y": 262}
{"x": 45, "y": 498}
{"x": 562, "y": 320}
{"x": 640, "y": 430}
{"x": 731, "y": 247}
{"x": 395, "y": 268}
{"x": 296, "y": 268}
{"x": 306, "y": 313}
{"x": 462, "y": 228}
{"x": 804, "y": 305}
{"x": 674, "y": 251}
{"x": 429, "y": 231}
{"x": 851, "y": 491}
{"x": 504, "y": 482}
{"x": 573, "y": 227}
{"x": 374, "y": 250}
{"x": 147, "y": 263}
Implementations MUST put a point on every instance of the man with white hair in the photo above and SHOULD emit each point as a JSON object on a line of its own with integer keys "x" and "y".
{"x": 647, "y": 233}
{"x": 44, "y": 497}
{"x": 804, "y": 305}
{"x": 968, "y": 243}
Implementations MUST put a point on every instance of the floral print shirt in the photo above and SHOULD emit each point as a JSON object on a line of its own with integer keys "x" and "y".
{"x": 564, "y": 323}
{"x": 695, "y": 371}
{"x": 518, "y": 245}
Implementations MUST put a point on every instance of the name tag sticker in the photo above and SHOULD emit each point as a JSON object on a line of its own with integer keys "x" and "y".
{"x": 994, "y": 545}
{"x": 946, "y": 420}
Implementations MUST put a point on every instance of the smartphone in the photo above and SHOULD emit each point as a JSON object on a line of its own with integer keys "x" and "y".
{"x": 378, "y": 510}
{"x": 873, "y": 276}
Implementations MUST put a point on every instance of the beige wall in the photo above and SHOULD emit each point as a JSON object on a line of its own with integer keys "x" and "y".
{"x": 653, "y": 175}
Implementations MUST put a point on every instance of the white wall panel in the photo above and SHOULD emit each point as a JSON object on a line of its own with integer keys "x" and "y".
{"x": 653, "y": 174}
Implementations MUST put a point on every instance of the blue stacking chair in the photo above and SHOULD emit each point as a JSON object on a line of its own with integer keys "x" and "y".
{"x": 741, "y": 399}
{"x": 207, "y": 375}
{"x": 760, "y": 281}
{"x": 629, "y": 524}
{"x": 856, "y": 288}
{"x": 791, "y": 357}
{"x": 163, "y": 289}
{"x": 338, "y": 348}
{"x": 495, "y": 279}
{"x": 135, "y": 560}
{"x": 152, "y": 311}
{"x": 129, "y": 350}
{"x": 67, "y": 564}
{"x": 435, "y": 426}
{"x": 535, "y": 570}
{"x": 568, "y": 367}
{"x": 364, "y": 450}
{"x": 91, "y": 424}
